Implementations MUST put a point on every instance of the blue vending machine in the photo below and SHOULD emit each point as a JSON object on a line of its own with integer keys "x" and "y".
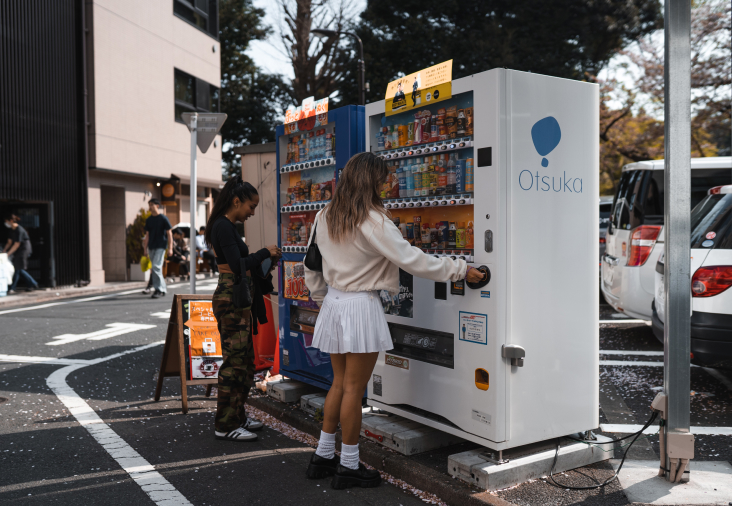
{"x": 308, "y": 160}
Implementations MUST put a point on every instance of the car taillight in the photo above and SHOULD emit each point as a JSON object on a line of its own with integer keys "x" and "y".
{"x": 602, "y": 240}
{"x": 710, "y": 281}
{"x": 641, "y": 243}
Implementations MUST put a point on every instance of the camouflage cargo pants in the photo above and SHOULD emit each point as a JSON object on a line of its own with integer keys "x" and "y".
{"x": 236, "y": 374}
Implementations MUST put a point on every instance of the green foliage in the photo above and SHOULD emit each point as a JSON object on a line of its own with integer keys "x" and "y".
{"x": 135, "y": 237}
{"x": 551, "y": 37}
{"x": 253, "y": 100}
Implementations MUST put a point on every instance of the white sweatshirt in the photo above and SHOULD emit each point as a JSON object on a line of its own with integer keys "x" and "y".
{"x": 371, "y": 259}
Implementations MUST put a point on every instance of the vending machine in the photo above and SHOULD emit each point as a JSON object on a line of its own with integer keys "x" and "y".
{"x": 504, "y": 173}
{"x": 309, "y": 157}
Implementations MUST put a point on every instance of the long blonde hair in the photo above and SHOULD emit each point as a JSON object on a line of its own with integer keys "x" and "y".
{"x": 356, "y": 194}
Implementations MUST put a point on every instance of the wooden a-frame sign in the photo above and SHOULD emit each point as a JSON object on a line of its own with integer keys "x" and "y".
{"x": 174, "y": 356}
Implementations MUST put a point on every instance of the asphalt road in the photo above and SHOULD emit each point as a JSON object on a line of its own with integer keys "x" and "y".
{"x": 48, "y": 457}
{"x": 67, "y": 429}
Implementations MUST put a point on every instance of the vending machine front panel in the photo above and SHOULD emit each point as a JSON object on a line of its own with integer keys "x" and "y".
{"x": 308, "y": 163}
{"x": 537, "y": 247}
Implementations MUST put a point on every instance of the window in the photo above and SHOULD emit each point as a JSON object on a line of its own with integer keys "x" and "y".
{"x": 194, "y": 95}
{"x": 203, "y": 14}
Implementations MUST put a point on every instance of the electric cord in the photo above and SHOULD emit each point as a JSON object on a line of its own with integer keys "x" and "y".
{"x": 614, "y": 476}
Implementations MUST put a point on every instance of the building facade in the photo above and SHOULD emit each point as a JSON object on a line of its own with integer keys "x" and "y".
{"x": 91, "y": 93}
{"x": 147, "y": 62}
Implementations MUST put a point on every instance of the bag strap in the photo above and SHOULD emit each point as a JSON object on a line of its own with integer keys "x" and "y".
{"x": 313, "y": 238}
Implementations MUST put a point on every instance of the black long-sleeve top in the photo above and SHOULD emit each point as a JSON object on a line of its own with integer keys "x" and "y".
{"x": 231, "y": 249}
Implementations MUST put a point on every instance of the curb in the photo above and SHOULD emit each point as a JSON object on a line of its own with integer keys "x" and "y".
{"x": 450, "y": 490}
{"x": 50, "y": 295}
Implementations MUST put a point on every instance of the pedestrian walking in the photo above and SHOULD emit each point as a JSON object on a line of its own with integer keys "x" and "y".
{"x": 362, "y": 251}
{"x": 236, "y": 203}
{"x": 18, "y": 247}
{"x": 158, "y": 238}
{"x": 204, "y": 252}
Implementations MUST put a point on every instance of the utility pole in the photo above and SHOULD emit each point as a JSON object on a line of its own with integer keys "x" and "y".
{"x": 679, "y": 442}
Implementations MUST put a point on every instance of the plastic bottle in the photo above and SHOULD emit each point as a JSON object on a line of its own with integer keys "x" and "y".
{"x": 410, "y": 180}
{"x": 417, "y": 175}
{"x": 469, "y": 236}
{"x": 469, "y": 182}
{"x": 451, "y": 174}
{"x": 402, "y": 182}
{"x": 426, "y": 237}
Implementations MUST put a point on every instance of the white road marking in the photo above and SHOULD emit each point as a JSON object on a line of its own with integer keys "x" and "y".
{"x": 41, "y": 360}
{"x": 115, "y": 329}
{"x": 615, "y": 322}
{"x": 628, "y": 352}
{"x": 630, "y": 428}
{"x": 162, "y": 314}
{"x": 160, "y": 490}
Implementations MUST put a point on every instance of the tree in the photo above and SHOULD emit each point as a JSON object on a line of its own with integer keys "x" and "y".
{"x": 633, "y": 132}
{"x": 252, "y": 99}
{"x": 711, "y": 75}
{"x": 318, "y": 64}
{"x": 553, "y": 37}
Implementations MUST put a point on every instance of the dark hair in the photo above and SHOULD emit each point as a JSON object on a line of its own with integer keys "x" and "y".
{"x": 154, "y": 201}
{"x": 9, "y": 217}
{"x": 202, "y": 228}
{"x": 234, "y": 187}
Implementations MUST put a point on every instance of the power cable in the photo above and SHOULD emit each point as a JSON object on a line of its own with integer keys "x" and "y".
{"x": 613, "y": 477}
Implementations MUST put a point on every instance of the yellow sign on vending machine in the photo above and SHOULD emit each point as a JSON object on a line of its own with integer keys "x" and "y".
{"x": 430, "y": 85}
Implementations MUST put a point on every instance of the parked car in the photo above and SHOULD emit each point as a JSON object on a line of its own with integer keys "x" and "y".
{"x": 634, "y": 238}
{"x": 606, "y": 205}
{"x": 711, "y": 267}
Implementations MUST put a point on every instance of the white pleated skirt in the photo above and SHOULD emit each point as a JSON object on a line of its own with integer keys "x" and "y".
{"x": 351, "y": 322}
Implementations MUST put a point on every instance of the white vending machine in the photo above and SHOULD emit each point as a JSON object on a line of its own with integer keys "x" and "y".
{"x": 504, "y": 174}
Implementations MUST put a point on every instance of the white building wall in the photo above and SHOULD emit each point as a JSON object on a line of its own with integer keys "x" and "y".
{"x": 136, "y": 45}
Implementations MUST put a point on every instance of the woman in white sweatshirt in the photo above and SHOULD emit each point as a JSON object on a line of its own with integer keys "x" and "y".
{"x": 362, "y": 253}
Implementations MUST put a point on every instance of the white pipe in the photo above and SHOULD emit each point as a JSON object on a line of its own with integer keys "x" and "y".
{"x": 194, "y": 202}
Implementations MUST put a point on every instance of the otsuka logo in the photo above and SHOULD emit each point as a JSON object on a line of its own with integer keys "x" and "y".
{"x": 546, "y": 135}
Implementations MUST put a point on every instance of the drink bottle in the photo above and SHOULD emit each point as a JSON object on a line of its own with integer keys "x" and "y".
{"x": 451, "y": 176}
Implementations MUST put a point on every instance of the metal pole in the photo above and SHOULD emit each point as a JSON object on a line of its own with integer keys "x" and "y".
{"x": 677, "y": 189}
{"x": 194, "y": 202}
{"x": 361, "y": 69}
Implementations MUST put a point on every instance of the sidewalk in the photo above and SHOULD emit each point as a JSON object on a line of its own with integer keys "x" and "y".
{"x": 68, "y": 292}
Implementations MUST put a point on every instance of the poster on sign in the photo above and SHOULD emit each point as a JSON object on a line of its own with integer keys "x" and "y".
{"x": 294, "y": 281}
{"x": 419, "y": 89}
{"x": 202, "y": 339}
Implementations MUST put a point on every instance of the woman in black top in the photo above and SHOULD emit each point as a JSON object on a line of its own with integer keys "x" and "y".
{"x": 237, "y": 202}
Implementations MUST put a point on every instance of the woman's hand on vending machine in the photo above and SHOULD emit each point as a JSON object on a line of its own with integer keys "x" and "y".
{"x": 474, "y": 275}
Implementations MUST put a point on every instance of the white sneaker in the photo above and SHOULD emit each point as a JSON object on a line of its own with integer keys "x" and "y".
{"x": 253, "y": 424}
{"x": 240, "y": 434}
{"x": 147, "y": 291}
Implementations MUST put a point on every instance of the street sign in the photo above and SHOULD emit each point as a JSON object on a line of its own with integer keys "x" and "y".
{"x": 203, "y": 127}
{"x": 209, "y": 124}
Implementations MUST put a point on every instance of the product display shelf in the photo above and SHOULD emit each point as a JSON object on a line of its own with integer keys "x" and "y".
{"x": 427, "y": 149}
{"x": 311, "y": 164}
{"x": 443, "y": 200}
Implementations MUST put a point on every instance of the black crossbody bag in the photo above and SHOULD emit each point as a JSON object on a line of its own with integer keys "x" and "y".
{"x": 313, "y": 258}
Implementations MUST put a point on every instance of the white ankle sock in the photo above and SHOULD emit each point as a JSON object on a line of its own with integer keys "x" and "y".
{"x": 349, "y": 456}
{"x": 326, "y": 445}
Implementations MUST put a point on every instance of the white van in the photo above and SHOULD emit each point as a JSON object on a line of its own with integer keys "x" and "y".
{"x": 634, "y": 238}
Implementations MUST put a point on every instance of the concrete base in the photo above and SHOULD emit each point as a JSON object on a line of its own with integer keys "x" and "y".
{"x": 289, "y": 391}
{"x": 524, "y": 463}
{"x": 405, "y": 436}
{"x": 709, "y": 483}
{"x": 313, "y": 404}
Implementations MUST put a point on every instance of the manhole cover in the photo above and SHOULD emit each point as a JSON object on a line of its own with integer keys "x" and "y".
{"x": 3, "y": 399}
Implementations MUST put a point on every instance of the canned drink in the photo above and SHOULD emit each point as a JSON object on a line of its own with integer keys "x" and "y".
{"x": 410, "y": 133}
{"x": 417, "y": 130}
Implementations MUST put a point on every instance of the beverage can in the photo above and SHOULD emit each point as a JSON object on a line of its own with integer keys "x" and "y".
{"x": 417, "y": 129}
{"x": 410, "y": 133}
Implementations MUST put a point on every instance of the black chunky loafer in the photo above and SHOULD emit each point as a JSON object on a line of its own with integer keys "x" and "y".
{"x": 345, "y": 477}
{"x": 321, "y": 467}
